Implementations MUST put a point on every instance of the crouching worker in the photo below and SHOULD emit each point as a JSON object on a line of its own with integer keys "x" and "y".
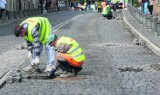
{"x": 69, "y": 58}
{"x": 107, "y": 12}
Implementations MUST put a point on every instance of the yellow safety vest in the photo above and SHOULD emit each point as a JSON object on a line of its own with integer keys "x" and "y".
{"x": 114, "y": 1}
{"x": 44, "y": 29}
{"x": 75, "y": 51}
{"x": 106, "y": 10}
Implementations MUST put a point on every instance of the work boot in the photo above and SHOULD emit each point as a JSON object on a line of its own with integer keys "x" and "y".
{"x": 67, "y": 75}
{"x": 77, "y": 70}
{"x": 32, "y": 68}
{"x": 49, "y": 68}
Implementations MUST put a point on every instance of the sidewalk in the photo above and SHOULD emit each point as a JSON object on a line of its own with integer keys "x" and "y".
{"x": 151, "y": 40}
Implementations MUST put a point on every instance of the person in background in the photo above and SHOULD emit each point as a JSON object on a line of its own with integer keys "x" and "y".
{"x": 145, "y": 6}
{"x": 36, "y": 30}
{"x": 99, "y": 7}
{"x": 114, "y": 5}
{"x": 70, "y": 56}
{"x": 88, "y": 4}
{"x": 106, "y": 12}
{"x": 2, "y": 7}
{"x": 150, "y": 6}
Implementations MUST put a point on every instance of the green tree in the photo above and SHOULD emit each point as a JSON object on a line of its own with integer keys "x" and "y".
{"x": 136, "y": 3}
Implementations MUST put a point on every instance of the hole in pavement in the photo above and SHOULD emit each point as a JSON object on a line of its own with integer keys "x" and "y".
{"x": 130, "y": 69}
{"x": 155, "y": 67}
{"x": 110, "y": 44}
{"x": 69, "y": 79}
{"x": 44, "y": 76}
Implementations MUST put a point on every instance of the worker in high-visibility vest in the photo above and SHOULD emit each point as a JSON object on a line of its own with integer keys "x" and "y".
{"x": 35, "y": 31}
{"x": 70, "y": 56}
{"x": 106, "y": 12}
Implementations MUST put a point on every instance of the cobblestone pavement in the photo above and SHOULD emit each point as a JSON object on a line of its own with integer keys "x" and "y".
{"x": 114, "y": 65}
{"x": 9, "y": 42}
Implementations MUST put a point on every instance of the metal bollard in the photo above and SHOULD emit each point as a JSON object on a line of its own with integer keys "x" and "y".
{"x": 136, "y": 11}
{"x": 158, "y": 27}
{"x": 144, "y": 20}
{"x": 10, "y": 15}
{"x": 20, "y": 14}
{"x": 29, "y": 12}
{"x": 0, "y": 21}
{"x": 3, "y": 17}
{"x": 140, "y": 18}
{"x": 148, "y": 21}
{"x": 154, "y": 24}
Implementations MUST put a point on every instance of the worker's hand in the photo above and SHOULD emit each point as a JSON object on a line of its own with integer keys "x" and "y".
{"x": 37, "y": 60}
{"x": 30, "y": 55}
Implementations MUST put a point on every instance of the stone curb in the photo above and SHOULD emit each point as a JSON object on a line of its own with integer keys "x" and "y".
{"x": 149, "y": 44}
{"x": 4, "y": 78}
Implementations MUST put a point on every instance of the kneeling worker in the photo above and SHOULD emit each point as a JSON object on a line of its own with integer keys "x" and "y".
{"x": 107, "y": 12}
{"x": 69, "y": 55}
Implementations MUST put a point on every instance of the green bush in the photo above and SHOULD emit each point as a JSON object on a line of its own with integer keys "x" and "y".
{"x": 135, "y": 3}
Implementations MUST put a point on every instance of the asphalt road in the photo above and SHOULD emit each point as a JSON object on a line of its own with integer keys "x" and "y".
{"x": 114, "y": 65}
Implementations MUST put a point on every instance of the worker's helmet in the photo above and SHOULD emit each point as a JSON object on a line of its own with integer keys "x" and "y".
{"x": 17, "y": 30}
{"x": 51, "y": 38}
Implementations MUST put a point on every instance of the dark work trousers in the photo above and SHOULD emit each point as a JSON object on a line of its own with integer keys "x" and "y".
{"x": 68, "y": 68}
{"x": 65, "y": 66}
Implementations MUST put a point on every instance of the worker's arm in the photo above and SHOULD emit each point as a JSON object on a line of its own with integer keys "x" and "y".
{"x": 36, "y": 42}
{"x": 63, "y": 48}
{"x": 29, "y": 46}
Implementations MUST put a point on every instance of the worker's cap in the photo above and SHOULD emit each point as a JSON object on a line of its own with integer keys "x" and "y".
{"x": 17, "y": 30}
{"x": 51, "y": 38}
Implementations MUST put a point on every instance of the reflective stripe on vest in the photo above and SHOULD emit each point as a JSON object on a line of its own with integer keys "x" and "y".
{"x": 44, "y": 29}
{"x": 75, "y": 51}
{"x": 106, "y": 10}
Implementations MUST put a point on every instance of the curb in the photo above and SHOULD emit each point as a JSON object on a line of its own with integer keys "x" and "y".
{"x": 3, "y": 79}
{"x": 149, "y": 44}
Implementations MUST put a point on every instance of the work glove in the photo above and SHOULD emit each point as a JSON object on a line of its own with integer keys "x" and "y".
{"x": 51, "y": 73}
{"x": 30, "y": 55}
{"x": 37, "y": 60}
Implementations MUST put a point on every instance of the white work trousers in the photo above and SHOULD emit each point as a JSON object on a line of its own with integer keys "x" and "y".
{"x": 50, "y": 52}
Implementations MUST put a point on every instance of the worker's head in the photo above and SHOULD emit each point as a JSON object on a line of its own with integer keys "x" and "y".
{"x": 19, "y": 31}
{"x": 52, "y": 40}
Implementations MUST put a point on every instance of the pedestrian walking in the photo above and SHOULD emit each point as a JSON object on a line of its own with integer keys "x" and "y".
{"x": 114, "y": 5}
{"x": 2, "y": 7}
{"x": 106, "y": 12}
{"x": 150, "y": 6}
{"x": 35, "y": 31}
{"x": 88, "y": 4}
{"x": 145, "y": 6}
{"x": 70, "y": 56}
